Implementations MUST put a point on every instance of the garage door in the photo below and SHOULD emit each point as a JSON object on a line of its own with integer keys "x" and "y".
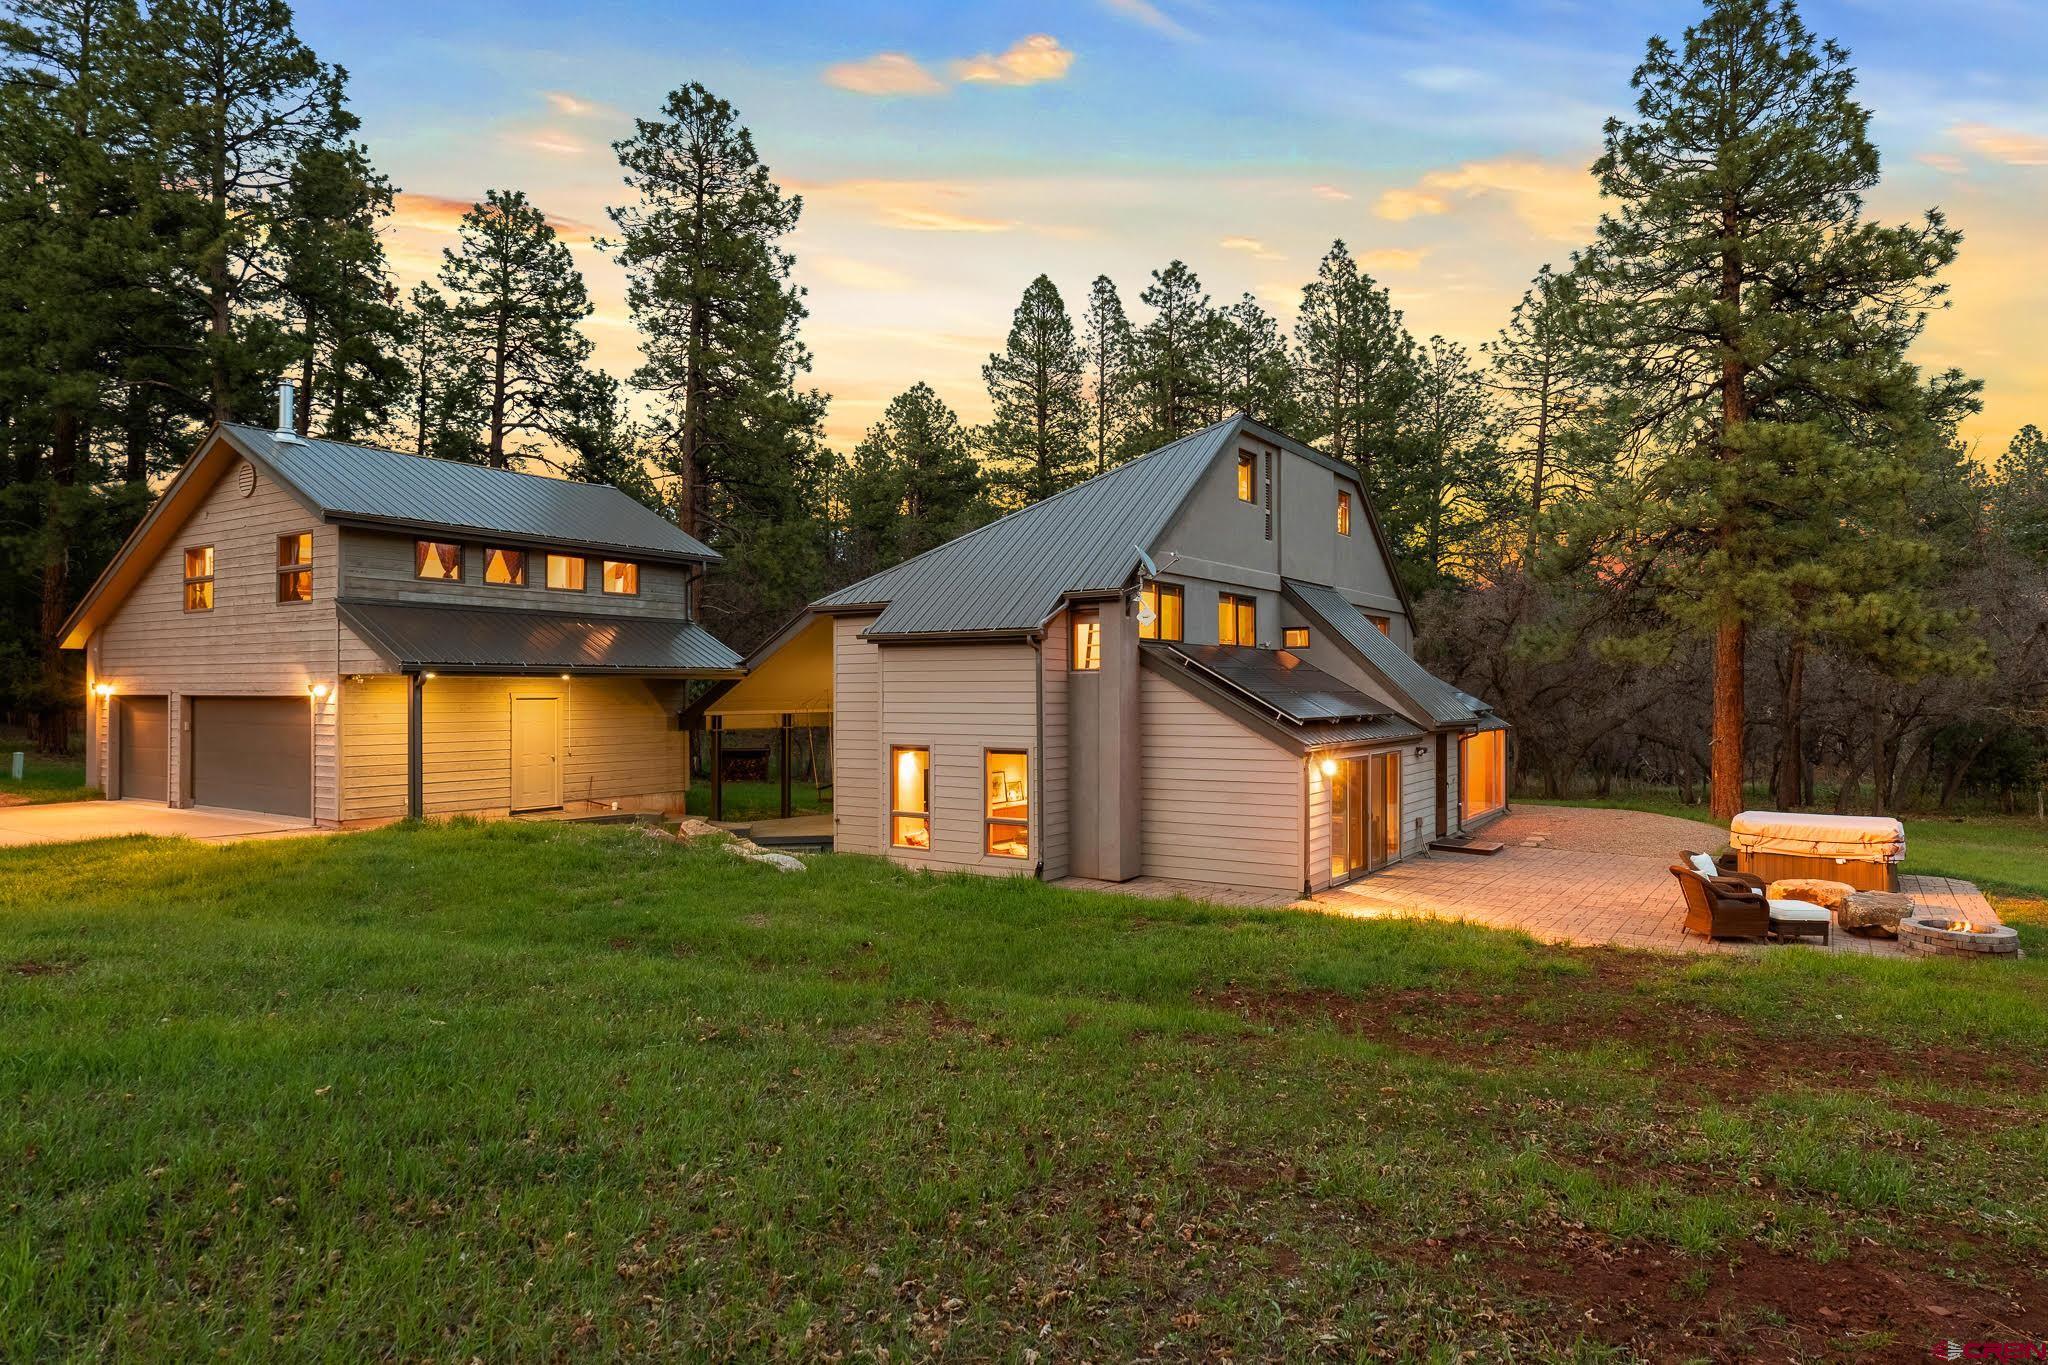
{"x": 141, "y": 730}
{"x": 253, "y": 753}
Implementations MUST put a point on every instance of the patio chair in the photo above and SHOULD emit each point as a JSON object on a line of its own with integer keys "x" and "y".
{"x": 1709, "y": 866}
{"x": 1721, "y": 907}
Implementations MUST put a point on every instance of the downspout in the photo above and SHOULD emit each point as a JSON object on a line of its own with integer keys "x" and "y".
{"x": 1038, "y": 752}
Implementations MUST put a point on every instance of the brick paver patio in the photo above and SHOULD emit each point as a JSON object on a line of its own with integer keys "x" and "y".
{"x": 1581, "y": 876}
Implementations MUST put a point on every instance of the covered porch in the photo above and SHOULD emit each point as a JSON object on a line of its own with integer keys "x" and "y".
{"x": 784, "y": 695}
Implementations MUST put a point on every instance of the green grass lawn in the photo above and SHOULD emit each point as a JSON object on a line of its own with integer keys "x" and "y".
{"x": 517, "y": 1091}
{"x": 44, "y": 779}
{"x": 757, "y": 800}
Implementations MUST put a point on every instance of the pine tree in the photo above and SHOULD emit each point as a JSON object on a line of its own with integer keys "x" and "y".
{"x": 444, "y": 387}
{"x": 912, "y": 484}
{"x": 1754, "y": 326}
{"x": 516, "y": 301}
{"x": 1036, "y": 443}
{"x": 1437, "y": 501}
{"x": 1538, "y": 368}
{"x": 1170, "y": 377}
{"x": 1254, "y": 373}
{"x": 2019, "y": 494}
{"x": 1355, "y": 362}
{"x": 337, "y": 291}
{"x": 1106, "y": 340}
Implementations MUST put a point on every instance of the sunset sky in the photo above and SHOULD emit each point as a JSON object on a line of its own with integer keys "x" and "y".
{"x": 947, "y": 153}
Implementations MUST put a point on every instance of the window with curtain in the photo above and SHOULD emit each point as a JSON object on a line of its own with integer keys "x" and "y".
{"x": 440, "y": 560}
{"x": 621, "y": 577}
{"x": 1087, "y": 643}
{"x": 1483, "y": 772}
{"x": 1237, "y": 620}
{"x": 565, "y": 573}
{"x": 1167, "y": 603}
{"x": 199, "y": 578}
{"x": 910, "y": 802}
{"x": 295, "y": 567}
{"x": 505, "y": 568}
{"x": 1380, "y": 623}
{"x": 1343, "y": 512}
{"x": 1007, "y": 784}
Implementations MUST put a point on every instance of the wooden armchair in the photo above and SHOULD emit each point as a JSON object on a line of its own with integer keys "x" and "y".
{"x": 1724, "y": 866}
{"x": 1722, "y": 907}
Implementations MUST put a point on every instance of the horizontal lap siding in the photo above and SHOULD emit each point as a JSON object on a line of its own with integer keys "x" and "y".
{"x": 249, "y": 644}
{"x": 382, "y": 566}
{"x": 1418, "y": 796}
{"x": 1220, "y": 804}
{"x": 958, "y": 701}
{"x": 621, "y": 742}
{"x": 373, "y": 748}
{"x": 856, "y": 721}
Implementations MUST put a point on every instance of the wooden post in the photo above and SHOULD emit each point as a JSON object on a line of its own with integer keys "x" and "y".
{"x": 415, "y": 711}
{"x": 718, "y": 767}
{"x": 788, "y": 804}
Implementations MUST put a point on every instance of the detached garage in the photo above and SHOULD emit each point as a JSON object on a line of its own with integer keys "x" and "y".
{"x": 142, "y": 734}
{"x": 252, "y": 753}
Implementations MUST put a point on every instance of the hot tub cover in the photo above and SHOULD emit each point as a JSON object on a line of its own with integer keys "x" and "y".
{"x": 1865, "y": 838}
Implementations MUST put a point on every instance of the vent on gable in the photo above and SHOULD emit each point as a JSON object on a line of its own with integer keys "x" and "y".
{"x": 245, "y": 478}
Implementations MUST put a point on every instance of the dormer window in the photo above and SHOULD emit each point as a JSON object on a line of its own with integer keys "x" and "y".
{"x": 1247, "y": 479}
{"x": 1343, "y": 511}
{"x": 437, "y": 560}
{"x": 565, "y": 573}
{"x": 621, "y": 577}
{"x": 504, "y": 568}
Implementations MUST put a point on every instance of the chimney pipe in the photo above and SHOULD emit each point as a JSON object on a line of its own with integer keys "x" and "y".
{"x": 287, "y": 429}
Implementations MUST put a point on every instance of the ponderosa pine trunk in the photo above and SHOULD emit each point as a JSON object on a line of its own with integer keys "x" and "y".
{"x": 1790, "y": 784}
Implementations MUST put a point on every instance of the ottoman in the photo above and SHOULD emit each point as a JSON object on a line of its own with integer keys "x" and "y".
{"x": 1799, "y": 919}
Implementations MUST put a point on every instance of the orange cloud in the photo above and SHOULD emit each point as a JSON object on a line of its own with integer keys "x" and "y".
{"x": 1029, "y": 61}
{"x": 1555, "y": 200}
{"x": 1393, "y": 258}
{"x": 565, "y": 103}
{"x": 2012, "y": 146}
{"x": 1252, "y": 247}
{"x": 885, "y": 73}
{"x": 442, "y": 214}
{"x": 914, "y": 205}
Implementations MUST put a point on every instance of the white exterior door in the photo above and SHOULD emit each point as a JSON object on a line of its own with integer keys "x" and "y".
{"x": 536, "y": 753}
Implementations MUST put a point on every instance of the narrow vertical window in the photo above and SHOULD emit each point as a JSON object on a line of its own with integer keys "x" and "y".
{"x": 1237, "y": 620}
{"x": 565, "y": 573}
{"x": 1087, "y": 645}
{"x": 1247, "y": 479}
{"x": 1007, "y": 781}
{"x": 504, "y": 568}
{"x": 1166, "y": 602}
{"x": 440, "y": 560}
{"x": 1343, "y": 511}
{"x": 295, "y": 567}
{"x": 199, "y": 578}
{"x": 621, "y": 578}
{"x": 910, "y": 800}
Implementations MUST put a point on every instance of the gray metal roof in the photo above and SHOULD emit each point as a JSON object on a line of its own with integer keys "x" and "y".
{"x": 1436, "y": 698}
{"x": 352, "y": 483}
{"x": 510, "y": 640}
{"x": 1277, "y": 693}
{"x": 1011, "y": 574}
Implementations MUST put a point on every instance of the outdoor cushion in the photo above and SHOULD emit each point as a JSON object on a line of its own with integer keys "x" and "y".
{"x": 1798, "y": 910}
{"x": 1704, "y": 865}
{"x": 1863, "y": 837}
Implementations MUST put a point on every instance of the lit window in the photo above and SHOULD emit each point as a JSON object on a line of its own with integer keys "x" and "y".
{"x": 1247, "y": 479}
{"x": 1087, "y": 642}
{"x": 506, "y": 568}
{"x": 1380, "y": 623}
{"x": 295, "y": 567}
{"x": 910, "y": 799}
{"x": 1237, "y": 620}
{"x": 1483, "y": 773}
{"x": 1343, "y": 512}
{"x": 1167, "y": 603}
{"x": 437, "y": 559}
{"x": 621, "y": 577}
{"x": 1008, "y": 784}
{"x": 199, "y": 578}
{"x": 565, "y": 572}
{"x": 1294, "y": 637}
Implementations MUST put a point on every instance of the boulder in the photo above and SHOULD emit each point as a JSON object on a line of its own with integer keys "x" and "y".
{"x": 1819, "y": 891}
{"x": 1875, "y": 913}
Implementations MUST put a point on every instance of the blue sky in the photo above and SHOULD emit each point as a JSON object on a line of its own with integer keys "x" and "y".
{"x": 949, "y": 153}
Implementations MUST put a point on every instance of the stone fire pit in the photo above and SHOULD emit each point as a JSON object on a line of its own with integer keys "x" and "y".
{"x": 1948, "y": 936}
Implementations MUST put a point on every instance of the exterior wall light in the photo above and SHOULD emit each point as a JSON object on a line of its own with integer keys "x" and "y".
{"x": 317, "y": 691}
{"x": 1329, "y": 767}
{"x": 428, "y": 676}
{"x": 103, "y": 690}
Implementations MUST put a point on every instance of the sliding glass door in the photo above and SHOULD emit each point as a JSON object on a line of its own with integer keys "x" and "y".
{"x": 1365, "y": 814}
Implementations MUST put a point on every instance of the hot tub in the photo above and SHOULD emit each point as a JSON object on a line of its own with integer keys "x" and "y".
{"x": 1863, "y": 850}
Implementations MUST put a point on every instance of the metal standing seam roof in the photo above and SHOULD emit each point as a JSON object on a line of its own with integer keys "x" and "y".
{"x": 1011, "y": 574}
{"x": 1442, "y": 702}
{"x": 502, "y": 639}
{"x": 363, "y": 483}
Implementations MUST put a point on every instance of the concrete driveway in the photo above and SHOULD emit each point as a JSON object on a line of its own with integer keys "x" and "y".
{"x": 70, "y": 821}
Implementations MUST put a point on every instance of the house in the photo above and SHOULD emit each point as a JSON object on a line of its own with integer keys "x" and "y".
{"x": 1194, "y": 666}
{"x": 354, "y": 635}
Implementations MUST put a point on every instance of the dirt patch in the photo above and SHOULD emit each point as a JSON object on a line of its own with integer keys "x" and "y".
{"x": 1721, "y": 1055}
{"x": 29, "y": 967}
{"x": 1746, "y": 1300}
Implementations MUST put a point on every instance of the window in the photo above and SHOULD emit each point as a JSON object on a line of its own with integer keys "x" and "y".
{"x": 1482, "y": 773}
{"x": 1343, "y": 511}
{"x": 199, "y": 578}
{"x": 1007, "y": 781}
{"x": 295, "y": 567}
{"x": 910, "y": 798}
{"x": 565, "y": 573}
{"x": 437, "y": 559}
{"x": 1294, "y": 637}
{"x": 1247, "y": 479}
{"x": 1380, "y": 623}
{"x": 1237, "y": 620}
{"x": 505, "y": 568}
{"x": 1165, "y": 601}
{"x": 621, "y": 577}
{"x": 1087, "y": 656}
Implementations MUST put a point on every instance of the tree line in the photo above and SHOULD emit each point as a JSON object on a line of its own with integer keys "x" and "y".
{"x": 1697, "y": 449}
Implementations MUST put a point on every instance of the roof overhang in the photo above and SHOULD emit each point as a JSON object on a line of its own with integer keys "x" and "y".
{"x": 497, "y": 640}
{"x": 789, "y": 674}
{"x": 1267, "y": 721}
